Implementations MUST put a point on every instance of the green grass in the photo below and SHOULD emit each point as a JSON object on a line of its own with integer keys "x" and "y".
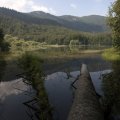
{"x": 111, "y": 54}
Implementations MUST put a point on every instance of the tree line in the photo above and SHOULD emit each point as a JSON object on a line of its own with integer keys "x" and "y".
{"x": 49, "y": 34}
{"x": 56, "y": 35}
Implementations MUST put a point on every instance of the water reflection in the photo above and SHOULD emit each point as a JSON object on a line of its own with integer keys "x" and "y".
{"x": 71, "y": 58}
{"x": 60, "y": 92}
{"x": 111, "y": 88}
{"x": 12, "y": 96}
{"x": 79, "y": 47}
{"x": 94, "y": 62}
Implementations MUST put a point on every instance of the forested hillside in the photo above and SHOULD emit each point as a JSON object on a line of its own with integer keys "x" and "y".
{"x": 91, "y": 20}
{"x": 93, "y": 23}
{"x": 44, "y": 27}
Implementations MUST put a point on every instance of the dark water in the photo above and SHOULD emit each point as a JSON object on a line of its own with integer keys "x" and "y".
{"x": 94, "y": 61}
{"x": 60, "y": 91}
{"x": 12, "y": 96}
{"x": 57, "y": 85}
{"x": 60, "y": 59}
{"x": 72, "y": 58}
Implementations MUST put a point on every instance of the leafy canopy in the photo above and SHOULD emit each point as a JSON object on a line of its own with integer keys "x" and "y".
{"x": 114, "y": 22}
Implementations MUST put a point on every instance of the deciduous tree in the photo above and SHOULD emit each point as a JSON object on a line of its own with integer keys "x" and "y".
{"x": 114, "y": 22}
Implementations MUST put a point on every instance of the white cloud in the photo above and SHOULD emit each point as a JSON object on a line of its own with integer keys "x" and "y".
{"x": 26, "y": 6}
{"x": 43, "y": 8}
{"x": 14, "y": 4}
{"x": 73, "y": 5}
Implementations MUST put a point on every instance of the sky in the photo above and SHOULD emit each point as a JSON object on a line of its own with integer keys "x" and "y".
{"x": 60, "y": 7}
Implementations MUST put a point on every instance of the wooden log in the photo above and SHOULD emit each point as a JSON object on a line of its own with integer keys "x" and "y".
{"x": 86, "y": 104}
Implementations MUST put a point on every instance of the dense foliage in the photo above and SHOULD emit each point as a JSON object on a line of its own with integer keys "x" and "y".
{"x": 59, "y": 35}
{"x": 4, "y": 46}
{"x": 111, "y": 81}
{"x": 1, "y": 37}
{"x": 2, "y": 66}
{"x": 111, "y": 88}
{"x": 16, "y": 44}
{"x": 114, "y": 22}
{"x": 32, "y": 67}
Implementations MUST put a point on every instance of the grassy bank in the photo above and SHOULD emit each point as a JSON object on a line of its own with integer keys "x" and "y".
{"x": 111, "y": 54}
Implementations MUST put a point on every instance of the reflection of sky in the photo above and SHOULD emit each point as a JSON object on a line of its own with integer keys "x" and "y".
{"x": 12, "y": 96}
{"x": 9, "y": 88}
{"x": 96, "y": 78}
{"x": 60, "y": 92}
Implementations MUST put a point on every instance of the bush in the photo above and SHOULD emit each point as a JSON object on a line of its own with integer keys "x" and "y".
{"x": 32, "y": 66}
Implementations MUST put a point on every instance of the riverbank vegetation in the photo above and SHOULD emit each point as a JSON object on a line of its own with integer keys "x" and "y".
{"x": 33, "y": 71}
{"x": 59, "y": 36}
{"x": 111, "y": 81}
{"x": 4, "y": 46}
{"x": 2, "y": 66}
{"x": 85, "y": 39}
{"x": 16, "y": 44}
{"x": 21, "y": 45}
{"x": 17, "y": 47}
{"x": 113, "y": 21}
{"x": 111, "y": 88}
{"x": 111, "y": 54}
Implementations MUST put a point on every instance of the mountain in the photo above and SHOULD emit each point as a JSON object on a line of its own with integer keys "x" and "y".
{"x": 24, "y": 17}
{"x": 93, "y": 23}
{"x": 91, "y": 19}
{"x": 46, "y": 28}
{"x": 43, "y": 15}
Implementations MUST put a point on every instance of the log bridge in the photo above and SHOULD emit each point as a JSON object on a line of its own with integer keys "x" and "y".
{"x": 86, "y": 105}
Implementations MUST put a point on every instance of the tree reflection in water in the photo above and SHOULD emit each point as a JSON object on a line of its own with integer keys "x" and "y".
{"x": 111, "y": 88}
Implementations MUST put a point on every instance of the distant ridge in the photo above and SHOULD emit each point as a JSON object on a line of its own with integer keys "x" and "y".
{"x": 93, "y": 23}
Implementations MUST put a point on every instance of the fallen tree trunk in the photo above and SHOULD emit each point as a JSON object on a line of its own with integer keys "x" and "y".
{"x": 86, "y": 104}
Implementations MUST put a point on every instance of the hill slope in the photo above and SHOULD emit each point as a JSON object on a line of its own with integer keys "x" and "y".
{"x": 24, "y": 17}
{"x": 50, "y": 29}
{"x": 92, "y": 23}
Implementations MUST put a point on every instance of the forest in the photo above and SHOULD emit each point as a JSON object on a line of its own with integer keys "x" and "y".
{"x": 25, "y": 27}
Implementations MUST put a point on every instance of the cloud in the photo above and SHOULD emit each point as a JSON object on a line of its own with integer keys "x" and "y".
{"x": 43, "y": 8}
{"x": 73, "y": 5}
{"x": 26, "y": 6}
{"x": 14, "y": 4}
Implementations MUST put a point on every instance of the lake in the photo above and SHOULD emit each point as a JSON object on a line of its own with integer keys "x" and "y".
{"x": 57, "y": 63}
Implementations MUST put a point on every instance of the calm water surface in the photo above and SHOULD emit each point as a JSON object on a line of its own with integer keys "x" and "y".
{"x": 58, "y": 87}
{"x": 61, "y": 93}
